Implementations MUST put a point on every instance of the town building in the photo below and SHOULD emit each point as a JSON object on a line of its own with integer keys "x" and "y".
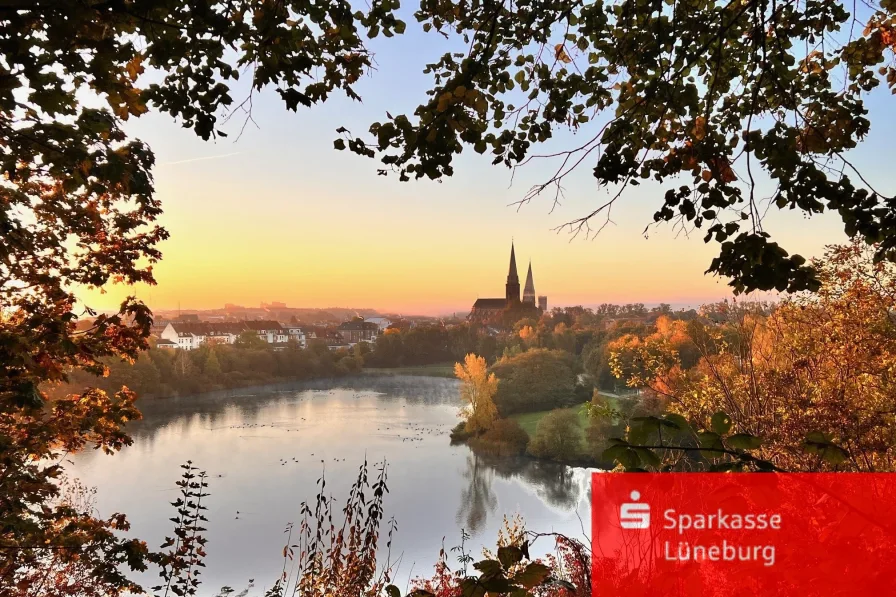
{"x": 192, "y": 335}
{"x": 358, "y": 331}
{"x": 382, "y": 323}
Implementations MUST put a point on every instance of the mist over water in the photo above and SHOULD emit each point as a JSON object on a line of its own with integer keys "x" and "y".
{"x": 265, "y": 449}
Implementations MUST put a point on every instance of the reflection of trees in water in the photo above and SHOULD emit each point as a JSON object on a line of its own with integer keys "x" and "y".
{"x": 556, "y": 484}
{"x": 224, "y": 407}
{"x": 477, "y": 500}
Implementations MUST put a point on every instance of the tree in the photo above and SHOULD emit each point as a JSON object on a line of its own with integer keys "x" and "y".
{"x": 596, "y": 362}
{"x": 212, "y": 367}
{"x": 146, "y": 374}
{"x": 558, "y": 436}
{"x": 477, "y": 392}
{"x": 811, "y": 382}
{"x": 388, "y": 350}
{"x": 361, "y": 350}
{"x": 564, "y": 338}
{"x": 726, "y": 95}
{"x": 487, "y": 347}
{"x": 77, "y": 208}
{"x": 249, "y": 339}
{"x": 534, "y": 380}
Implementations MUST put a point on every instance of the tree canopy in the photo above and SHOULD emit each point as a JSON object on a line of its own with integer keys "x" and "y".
{"x": 477, "y": 392}
{"x": 807, "y": 387}
{"x": 706, "y": 97}
{"x": 534, "y": 380}
{"x": 77, "y": 208}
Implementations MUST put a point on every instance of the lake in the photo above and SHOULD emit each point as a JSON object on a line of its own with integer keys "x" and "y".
{"x": 264, "y": 450}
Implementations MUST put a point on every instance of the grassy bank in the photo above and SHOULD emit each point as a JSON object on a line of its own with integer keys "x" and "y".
{"x": 437, "y": 370}
{"x": 529, "y": 421}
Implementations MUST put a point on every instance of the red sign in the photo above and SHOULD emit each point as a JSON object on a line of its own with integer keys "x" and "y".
{"x": 748, "y": 534}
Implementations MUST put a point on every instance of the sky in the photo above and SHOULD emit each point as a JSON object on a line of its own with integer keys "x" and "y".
{"x": 279, "y": 215}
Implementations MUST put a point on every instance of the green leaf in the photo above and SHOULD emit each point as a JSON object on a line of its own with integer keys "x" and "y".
{"x": 625, "y": 456}
{"x": 710, "y": 441}
{"x": 648, "y": 457}
{"x": 339, "y": 144}
{"x": 678, "y": 423}
{"x": 744, "y": 441}
{"x": 821, "y": 444}
{"x": 392, "y": 591}
{"x": 721, "y": 423}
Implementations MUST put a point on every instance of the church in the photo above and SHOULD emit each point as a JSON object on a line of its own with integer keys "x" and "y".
{"x": 492, "y": 310}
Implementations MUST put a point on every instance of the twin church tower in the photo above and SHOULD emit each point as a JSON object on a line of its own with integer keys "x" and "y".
{"x": 487, "y": 309}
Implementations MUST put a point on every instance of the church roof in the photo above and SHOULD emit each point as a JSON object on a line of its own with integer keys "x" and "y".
{"x": 490, "y": 303}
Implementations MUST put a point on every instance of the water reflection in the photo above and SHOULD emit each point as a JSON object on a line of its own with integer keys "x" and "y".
{"x": 477, "y": 499}
{"x": 265, "y": 448}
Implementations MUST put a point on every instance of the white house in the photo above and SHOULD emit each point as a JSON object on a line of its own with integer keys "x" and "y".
{"x": 266, "y": 330}
{"x": 182, "y": 334}
{"x": 296, "y": 333}
{"x": 192, "y": 335}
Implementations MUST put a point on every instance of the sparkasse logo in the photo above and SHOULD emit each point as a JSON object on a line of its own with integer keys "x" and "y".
{"x": 634, "y": 515}
{"x": 720, "y": 535}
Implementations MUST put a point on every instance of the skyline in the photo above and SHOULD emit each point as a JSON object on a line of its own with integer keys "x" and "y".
{"x": 279, "y": 214}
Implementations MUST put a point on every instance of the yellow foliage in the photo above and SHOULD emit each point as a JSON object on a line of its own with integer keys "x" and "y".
{"x": 477, "y": 392}
{"x": 819, "y": 363}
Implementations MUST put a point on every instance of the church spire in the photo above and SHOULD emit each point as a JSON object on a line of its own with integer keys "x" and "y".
{"x": 529, "y": 290}
{"x": 513, "y": 279}
{"x": 512, "y": 273}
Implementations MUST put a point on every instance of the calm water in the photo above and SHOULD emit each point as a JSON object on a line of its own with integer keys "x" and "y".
{"x": 265, "y": 449}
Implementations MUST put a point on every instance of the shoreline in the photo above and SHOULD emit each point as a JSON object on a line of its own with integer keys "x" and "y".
{"x": 295, "y": 383}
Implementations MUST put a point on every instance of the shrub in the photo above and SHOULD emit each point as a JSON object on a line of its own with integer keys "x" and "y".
{"x": 535, "y": 380}
{"x": 597, "y": 436}
{"x": 504, "y": 438}
{"x": 459, "y": 433}
{"x": 558, "y": 436}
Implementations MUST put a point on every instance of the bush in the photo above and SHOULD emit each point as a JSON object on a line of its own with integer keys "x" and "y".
{"x": 535, "y": 380}
{"x": 597, "y": 440}
{"x": 559, "y": 436}
{"x": 504, "y": 438}
{"x": 459, "y": 433}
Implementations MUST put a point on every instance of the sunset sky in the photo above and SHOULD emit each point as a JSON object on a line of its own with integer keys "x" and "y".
{"x": 280, "y": 215}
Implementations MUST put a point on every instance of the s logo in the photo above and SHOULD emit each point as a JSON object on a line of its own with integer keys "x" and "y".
{"x": 633, "y": 515}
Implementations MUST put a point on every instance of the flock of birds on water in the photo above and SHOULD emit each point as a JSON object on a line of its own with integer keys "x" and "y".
{"x": 405, "y": 432}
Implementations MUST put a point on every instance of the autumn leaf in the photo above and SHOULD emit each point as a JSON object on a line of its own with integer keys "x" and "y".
{"x": 699, "y": 130}
{"x": 561, "y": 55}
